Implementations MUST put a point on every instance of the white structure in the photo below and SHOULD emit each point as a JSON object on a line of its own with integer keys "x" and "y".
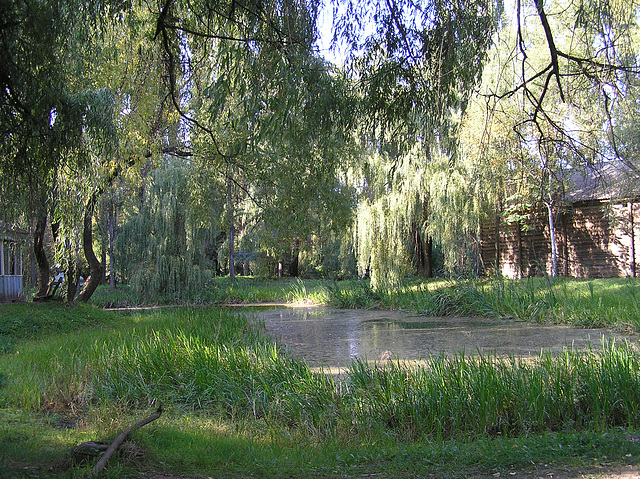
{"x": 11, "y": 263}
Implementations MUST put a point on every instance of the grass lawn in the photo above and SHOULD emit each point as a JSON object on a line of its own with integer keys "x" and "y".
{"x": 237, "y": 406}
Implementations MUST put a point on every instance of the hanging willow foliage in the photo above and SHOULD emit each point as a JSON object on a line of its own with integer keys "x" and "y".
{"x": 411, "y": 192}
{"x": 163, "y": 245}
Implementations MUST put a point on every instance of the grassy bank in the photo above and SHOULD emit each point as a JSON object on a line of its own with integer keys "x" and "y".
{"x": 222, "y": 291}
{"x": 237, "y": 406}
{"x": 608, "y": 302}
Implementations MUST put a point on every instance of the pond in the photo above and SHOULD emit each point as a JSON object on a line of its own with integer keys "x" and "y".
{"x": 332, "y": 338}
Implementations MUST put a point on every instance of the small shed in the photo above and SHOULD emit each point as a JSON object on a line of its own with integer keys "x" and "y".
{"x": 11, "y": 242}
{"x": 597, "y": 226}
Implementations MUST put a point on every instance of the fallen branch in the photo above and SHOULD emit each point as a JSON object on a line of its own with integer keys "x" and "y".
{"x": 119, "y": 440}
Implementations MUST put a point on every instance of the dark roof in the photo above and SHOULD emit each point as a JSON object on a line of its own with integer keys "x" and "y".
{"x": 11, "y": 232}
{"x": 611, "y": 180}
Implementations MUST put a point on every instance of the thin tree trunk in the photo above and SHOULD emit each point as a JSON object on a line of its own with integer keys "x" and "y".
{"x": 552, "y": 238}
{"x": 232, "y": 267}
{"x": 498, "y": 255}
{"x": 33, "y": 273}
{"x": 232, "y": 259}
{"x": 429, "y": 258}
{"x": 295, "y": 257}
{"x": 632, "y": 246}
{"x": 72, "y": 272}
{"x": 519, "y": 238}
{"x": 41, "y": 255}
{"x": 113, "y": 225}
{"x": 95, "y": 268}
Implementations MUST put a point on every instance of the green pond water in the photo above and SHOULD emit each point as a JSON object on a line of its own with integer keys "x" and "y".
{"x": 332, "y": 338}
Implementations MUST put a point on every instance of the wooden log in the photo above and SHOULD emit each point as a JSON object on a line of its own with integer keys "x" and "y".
{"x": 110, "y": 450}
{"x": 89, "y": 450}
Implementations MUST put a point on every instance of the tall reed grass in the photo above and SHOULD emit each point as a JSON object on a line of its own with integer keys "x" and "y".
{"x": 583, "y": 303}
{"x": 220, "y": 363}
{"x": 474, "y": 396}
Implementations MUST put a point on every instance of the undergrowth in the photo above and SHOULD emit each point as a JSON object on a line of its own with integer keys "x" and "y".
{"x": 229, "y": 392}
{"x": 218, "y": 361}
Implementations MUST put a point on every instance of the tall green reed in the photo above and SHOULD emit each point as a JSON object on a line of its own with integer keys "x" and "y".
{"x": 471, "y": 396}
{"x": 593, "y": 303}
{"x": 221, "y": 363}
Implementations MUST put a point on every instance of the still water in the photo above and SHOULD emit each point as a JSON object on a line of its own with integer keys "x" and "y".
{"x": 332, "y": 338}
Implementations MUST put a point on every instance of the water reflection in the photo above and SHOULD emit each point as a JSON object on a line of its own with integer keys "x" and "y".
{"x": 333, "y": 338}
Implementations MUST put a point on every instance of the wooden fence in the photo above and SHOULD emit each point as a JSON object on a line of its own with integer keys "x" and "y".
{"x": 594, "y": 239}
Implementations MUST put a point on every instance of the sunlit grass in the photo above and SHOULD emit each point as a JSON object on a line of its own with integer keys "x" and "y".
{"x": 611, "y": 302}
{"x": 217, "y": 361}
{"x": 583, "y": 303}
{"x": 237, "y": 405}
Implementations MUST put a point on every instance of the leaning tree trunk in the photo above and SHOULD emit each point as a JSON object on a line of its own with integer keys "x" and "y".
{"x": 95, "y": 268}
{"x": 41, "y": 255}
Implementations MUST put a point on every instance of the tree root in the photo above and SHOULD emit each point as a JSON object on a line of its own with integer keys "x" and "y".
{"x": 93, "y": 448}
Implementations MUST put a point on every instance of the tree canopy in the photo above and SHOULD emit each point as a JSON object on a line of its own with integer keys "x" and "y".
{"x": 220, "y": 123}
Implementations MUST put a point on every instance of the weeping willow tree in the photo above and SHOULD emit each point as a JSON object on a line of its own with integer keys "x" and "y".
{"x": 407, "y": 203}
{"x": 270, "y": 121}
{"x": 163, "y": 244}
{"x": 414, "y": 71}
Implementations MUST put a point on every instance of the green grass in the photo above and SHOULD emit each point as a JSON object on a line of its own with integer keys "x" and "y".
{"x": 38, "y": 320}
{"x": 611, "y": 302}
{"x": 120, "y": 297}
{"x": 195, "y": 446}
{"x": 222, "y": 291}
{"x": 237, "y": 406}
{"x": 583, "y": 303}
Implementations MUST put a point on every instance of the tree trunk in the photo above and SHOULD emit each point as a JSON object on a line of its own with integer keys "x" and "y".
{"x": 113, "y": 225}
{"x": 103, "y": 276}
{"x": 212, "y": 246}
{"x": 95, "y": 268}
{"x": 232, "y": 267}
{"x": 552, "y": 238}
{"x": 632, "y": 247}
{"x": 232, "y": 259}
{"x": 429, "y": 262}
{"x": 41, "y": 255}
{"x": 72, "y": 272}
{"x": 519, "y": 250}
{"x": 295, "y": 257}
{"x": 423, "y": 251}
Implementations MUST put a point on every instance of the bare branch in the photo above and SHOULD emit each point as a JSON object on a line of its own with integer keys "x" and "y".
{"x": 553, "y": 51}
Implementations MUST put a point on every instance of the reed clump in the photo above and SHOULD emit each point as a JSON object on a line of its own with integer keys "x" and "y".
{"x": 611, "y": 302}
{"x": 220, "y": 363}
{"x": 477, "y": 396}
